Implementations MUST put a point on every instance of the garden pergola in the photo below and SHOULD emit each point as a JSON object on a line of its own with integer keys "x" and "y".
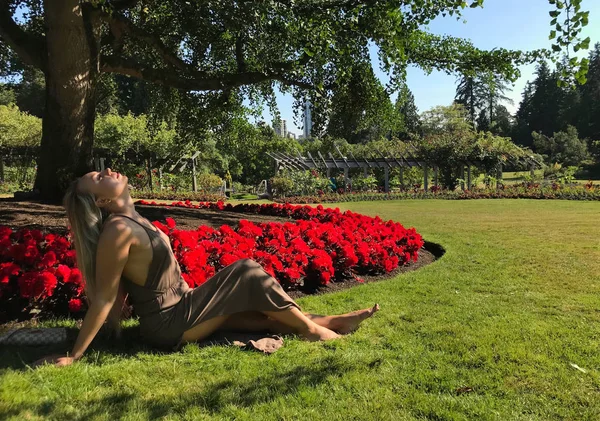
{"x": 386, "y": 161}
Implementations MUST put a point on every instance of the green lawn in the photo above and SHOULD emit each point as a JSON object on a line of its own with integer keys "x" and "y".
{"x": 490, "y": 331}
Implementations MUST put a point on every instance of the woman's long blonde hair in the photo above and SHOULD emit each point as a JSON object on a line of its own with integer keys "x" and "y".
{"x": 86, "y": 220}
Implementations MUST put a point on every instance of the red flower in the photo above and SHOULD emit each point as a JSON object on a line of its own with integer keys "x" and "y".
{"x": 7, "y": 270}
{"x": 34, "y": 284}
{"x": 48, "y": 260}
{"x": 75, "y": 305}
{"x": 64, "y": 271}
{"x": 170, "y": 223}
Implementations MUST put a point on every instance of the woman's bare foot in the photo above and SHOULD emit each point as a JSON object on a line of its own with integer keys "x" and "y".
{"x": 319, "y": 333}
{"x": 349, "y": 322}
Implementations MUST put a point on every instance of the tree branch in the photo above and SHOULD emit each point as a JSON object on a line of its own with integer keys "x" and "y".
{"x": 239, "y": 54}
{"x": 200, "y": 81}
{"x": 31, "y": 49}
{"x": 123, "y": 4}
{"x": 120, "y": 25}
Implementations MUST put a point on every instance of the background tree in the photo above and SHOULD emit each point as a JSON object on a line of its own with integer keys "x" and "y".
{"x": 588, "y": 112}
{"x": 563, "y": 147}
{"x": 18, "y": 129}
{"x": 409, "y": 121}
{"x": 468, "y": 94}
{"x": 361, "y": 109}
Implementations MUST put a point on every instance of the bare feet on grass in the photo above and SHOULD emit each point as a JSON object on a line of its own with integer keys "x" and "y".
{"x": 349, "y": 322}
{"x": 319, "y": 333}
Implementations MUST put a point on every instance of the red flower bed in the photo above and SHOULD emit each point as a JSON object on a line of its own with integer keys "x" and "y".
{"x": 38, "y": 271}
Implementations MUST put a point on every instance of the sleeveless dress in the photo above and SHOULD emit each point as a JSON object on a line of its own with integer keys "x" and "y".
{"x": 167, "y": 306}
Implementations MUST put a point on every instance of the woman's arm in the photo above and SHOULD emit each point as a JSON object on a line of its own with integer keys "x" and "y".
{"x": 112, "y": 254}
{"x": 119, "y": 311}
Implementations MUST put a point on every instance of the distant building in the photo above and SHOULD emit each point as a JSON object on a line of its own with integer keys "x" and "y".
{"x": 280, "y": 127}
{"x": 307, "y": 119}
{"x": 291, "y": 135}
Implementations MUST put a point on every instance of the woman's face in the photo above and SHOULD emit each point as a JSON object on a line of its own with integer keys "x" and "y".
{"x": 105, "y": 184}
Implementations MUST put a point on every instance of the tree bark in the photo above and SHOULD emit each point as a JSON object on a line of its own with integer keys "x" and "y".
{"x": 71, "y": 79}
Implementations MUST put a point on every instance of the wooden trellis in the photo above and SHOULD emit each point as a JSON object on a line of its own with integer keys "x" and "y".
{"x": 386, "y": 161}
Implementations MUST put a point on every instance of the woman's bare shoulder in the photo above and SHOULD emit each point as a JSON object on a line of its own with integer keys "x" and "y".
{"x": 117, "y": 227}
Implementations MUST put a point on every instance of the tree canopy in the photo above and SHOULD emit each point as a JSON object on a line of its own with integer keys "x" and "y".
{"x": 214, "y": 53}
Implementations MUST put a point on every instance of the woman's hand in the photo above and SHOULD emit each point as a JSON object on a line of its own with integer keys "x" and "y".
{"x": 57, "y": 360}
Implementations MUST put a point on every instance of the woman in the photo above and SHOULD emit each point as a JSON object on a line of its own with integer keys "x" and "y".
{"x": 125, "y": 254}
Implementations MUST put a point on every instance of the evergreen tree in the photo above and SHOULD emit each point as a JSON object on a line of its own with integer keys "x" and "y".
{"x": 409, "y": 120}
{"x": 467, "y": 94}
{"x": 588, "y": 113}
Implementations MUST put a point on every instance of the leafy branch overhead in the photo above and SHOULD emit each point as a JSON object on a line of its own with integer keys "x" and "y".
{"x": 568, "y": 20}
{"x": 221, "y": 45}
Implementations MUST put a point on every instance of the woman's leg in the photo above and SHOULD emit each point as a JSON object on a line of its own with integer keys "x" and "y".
{"x": 291, "y": 318}
{"x": 344, "y": 323}
{"x": 254, "y": 321}
{"x": 203, "y": 330}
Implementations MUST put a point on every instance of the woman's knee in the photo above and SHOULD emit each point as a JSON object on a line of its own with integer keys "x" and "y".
{"x": 249, "y": 263}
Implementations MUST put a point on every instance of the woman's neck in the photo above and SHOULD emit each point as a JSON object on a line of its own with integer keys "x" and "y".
{"x": 122, "y": 205}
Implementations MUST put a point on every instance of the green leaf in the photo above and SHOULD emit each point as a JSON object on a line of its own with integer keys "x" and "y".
{"x": 552, "y": 34}
{"x": 554, "y": 13}
{"x": 308, "y": 52}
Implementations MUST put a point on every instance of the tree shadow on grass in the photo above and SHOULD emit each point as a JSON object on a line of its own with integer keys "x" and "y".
{"x": 238, "y": 390}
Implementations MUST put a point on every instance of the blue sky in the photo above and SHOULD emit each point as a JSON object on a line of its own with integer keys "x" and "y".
{"x": 511, "y": 24}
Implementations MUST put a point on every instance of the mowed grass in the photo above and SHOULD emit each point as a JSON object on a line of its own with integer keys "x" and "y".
{"x": 504, "y": 327}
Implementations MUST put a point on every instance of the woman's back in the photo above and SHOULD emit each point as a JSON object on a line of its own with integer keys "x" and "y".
{"x": 152, "y": 276}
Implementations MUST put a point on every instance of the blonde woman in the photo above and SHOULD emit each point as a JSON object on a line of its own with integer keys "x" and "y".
{"x": 124, "y": 253}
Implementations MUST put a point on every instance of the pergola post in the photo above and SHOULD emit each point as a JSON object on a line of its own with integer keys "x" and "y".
{"x": 426, "y": 178}
{"x": 387, "y": 179}
{"x": 150, "y": 174}
{"x": 498, "y": 175}
{"x": 160, "y": 185}
{"x": 402, "y": 176}
{"x": 532, "y": 170}
{"x": 194, "y": 183}
{"x": 346, "y": 179}
{"x": 435, "y": 176}
{"x": 469, "y": 177}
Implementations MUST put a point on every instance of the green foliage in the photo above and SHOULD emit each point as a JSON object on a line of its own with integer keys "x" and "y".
{"x": 243, "y": 148}
{"x": 563, "y": 147}
{"x": 481, "y": 96}
{"x": 31, "y": 92}
{"x": 7, "y": 95}
{"x": 19, "y": 176}
{"x": 409, "y": 124}
{"x": 282, "y": 185}
{"x": 208, "y": 182}
{"x": 18, "y": 128}
{"x": 307, "y": 182}
{"x": 121, "y": 133}
{"x": 566, "y": 35}
{"x": 361, "y": 183}
{"x": 361, "y": 109}
{"x": 450, "y": 141}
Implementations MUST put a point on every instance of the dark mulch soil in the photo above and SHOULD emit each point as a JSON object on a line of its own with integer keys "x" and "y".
{"x": 50, "y": 217}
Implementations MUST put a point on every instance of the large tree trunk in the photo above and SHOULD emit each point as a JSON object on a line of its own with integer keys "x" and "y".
{"x": 71, "y": 79}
